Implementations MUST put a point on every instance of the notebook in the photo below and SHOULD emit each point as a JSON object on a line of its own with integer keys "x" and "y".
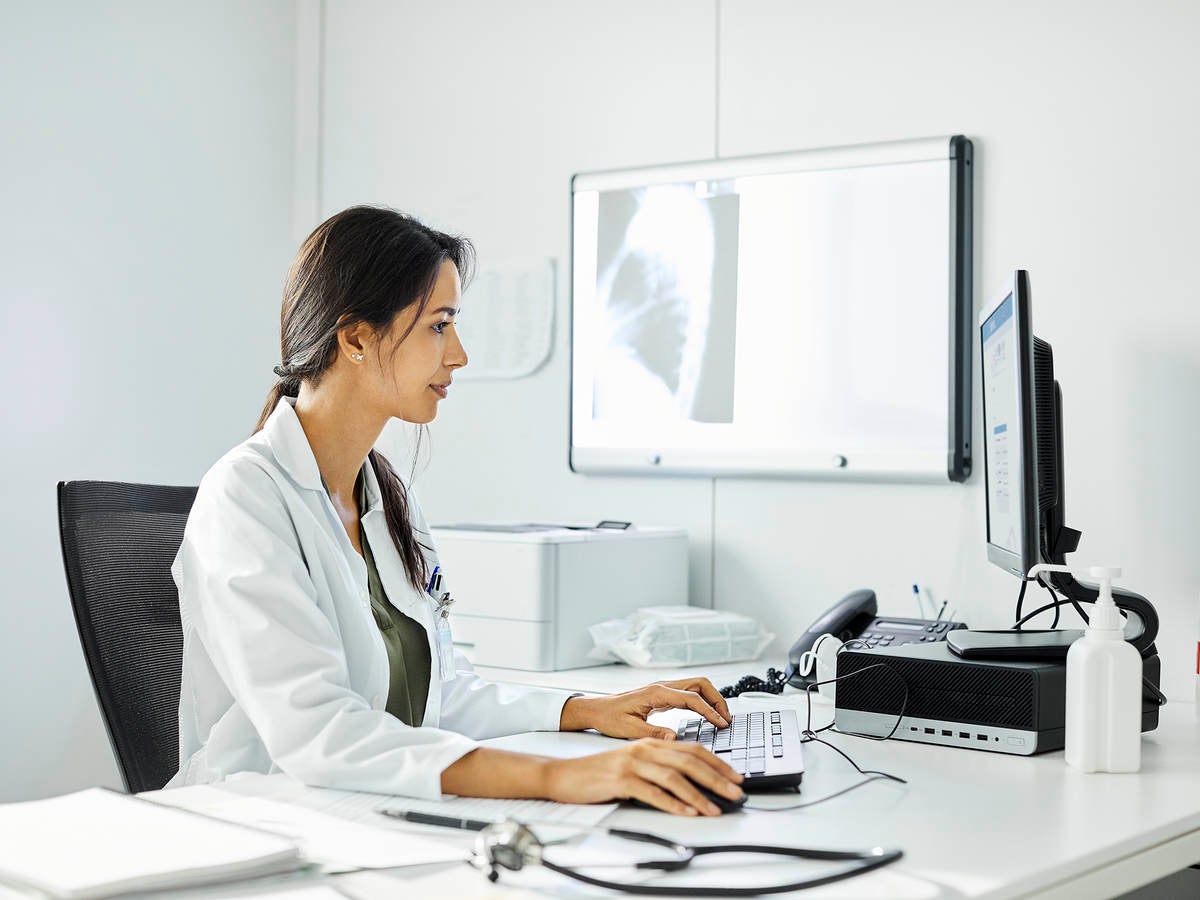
{"x": 115, "y": 843}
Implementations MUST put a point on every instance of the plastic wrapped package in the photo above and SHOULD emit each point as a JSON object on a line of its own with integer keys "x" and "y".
{"x": 678, "y": 636}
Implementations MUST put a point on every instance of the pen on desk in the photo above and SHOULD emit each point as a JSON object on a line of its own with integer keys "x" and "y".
{"x": 920, "y": 604}
{"x": 942, "y": 610}
{"x": 421, "y": 818}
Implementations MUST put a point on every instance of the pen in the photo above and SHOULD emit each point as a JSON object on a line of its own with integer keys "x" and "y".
{"x": 433, "y": 578}
{"x": 920, "y": 604}
{"x": 421, "y": 818}
{"x": 942, "y": 610}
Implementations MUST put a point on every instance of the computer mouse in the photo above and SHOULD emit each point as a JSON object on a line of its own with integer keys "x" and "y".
{"x": 724, "y": 804}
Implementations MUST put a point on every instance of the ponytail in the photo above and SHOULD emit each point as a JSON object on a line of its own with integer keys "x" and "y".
{"x": 396, "y": 511}
{"x": 288, "y": 385}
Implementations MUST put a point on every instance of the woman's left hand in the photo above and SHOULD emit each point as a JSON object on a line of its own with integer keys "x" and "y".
{"x": 624, "y": 715}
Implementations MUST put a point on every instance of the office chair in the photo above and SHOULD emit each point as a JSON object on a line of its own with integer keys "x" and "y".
{"x": 118, "y": 543}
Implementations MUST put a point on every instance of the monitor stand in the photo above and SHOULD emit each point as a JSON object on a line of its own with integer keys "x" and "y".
{"x": 1009, "y": 644}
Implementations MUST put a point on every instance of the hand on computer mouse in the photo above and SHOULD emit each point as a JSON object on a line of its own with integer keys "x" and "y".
{"x": 724, "y": 804}
{"x": 667, "y": 775}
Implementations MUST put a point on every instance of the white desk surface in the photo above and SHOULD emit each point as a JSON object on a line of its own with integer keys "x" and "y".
{"x": 971, "y": 823}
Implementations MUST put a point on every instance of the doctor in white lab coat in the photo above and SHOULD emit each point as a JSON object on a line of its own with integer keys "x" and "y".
{"x": 304, "y": 550}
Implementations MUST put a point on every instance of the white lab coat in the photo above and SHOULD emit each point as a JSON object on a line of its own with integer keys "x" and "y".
{"x": 284, "y": 669}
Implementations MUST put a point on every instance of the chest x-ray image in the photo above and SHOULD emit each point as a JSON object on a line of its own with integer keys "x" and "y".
{"x": 666, "y": 291}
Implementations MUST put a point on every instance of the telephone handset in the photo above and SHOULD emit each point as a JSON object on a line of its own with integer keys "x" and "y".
{"x": 855, "y": 616}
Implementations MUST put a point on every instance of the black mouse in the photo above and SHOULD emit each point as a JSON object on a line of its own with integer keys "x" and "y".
{"x": 724, "y": 804}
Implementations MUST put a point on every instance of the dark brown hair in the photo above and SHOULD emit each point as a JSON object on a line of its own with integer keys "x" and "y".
{"x": 365, "y": 264}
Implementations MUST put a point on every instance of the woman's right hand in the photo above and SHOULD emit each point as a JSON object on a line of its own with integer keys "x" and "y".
{"x": 660, "y": 773}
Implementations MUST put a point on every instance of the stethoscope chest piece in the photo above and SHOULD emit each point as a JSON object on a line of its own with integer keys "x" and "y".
{"x": 507, "y": 844}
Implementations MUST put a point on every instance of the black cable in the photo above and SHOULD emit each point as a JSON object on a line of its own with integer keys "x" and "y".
{"x": 808, "y": 803}
{"x": 773, "y": 684}
{"x": 1159, "y": 698}
{"x": 903, "y": 706}
{"x": 809, "y": 736}
{"x": 1021, "y": 601}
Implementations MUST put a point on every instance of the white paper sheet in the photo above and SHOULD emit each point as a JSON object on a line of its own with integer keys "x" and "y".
{"x": 507, "y": 320}
{"x": 551, "y": 821}
{"x": 309, "y": 892}
{"x": 325, "y": 839}
{"x": 120, "y": 843}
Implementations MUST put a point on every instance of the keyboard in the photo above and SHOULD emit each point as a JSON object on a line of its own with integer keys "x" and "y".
{"x": 763, "y": 746}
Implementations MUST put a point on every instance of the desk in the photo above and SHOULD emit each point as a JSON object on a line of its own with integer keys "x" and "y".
{"x": 972, "y": 824}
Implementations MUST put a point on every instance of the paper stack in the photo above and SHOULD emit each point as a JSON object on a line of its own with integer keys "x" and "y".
{"x": 98, "y": 843}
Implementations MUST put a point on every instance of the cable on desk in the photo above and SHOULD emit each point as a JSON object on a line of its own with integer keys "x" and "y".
{"x": 772, "y": 684}
{"x": 807, "y": 803}
{"x": 809, "y": 735}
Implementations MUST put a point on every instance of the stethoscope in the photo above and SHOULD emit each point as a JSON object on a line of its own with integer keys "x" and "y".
{"x": 511, "y": 845}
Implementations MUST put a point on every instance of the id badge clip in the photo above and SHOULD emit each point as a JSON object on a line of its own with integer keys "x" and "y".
{"x": 442, "y": 601}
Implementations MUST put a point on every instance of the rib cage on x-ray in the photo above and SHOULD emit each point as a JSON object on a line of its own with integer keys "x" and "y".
{"x": 660, "y": 299}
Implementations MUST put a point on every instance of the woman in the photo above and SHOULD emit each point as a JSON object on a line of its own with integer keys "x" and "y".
{"x": 309, "y": 636}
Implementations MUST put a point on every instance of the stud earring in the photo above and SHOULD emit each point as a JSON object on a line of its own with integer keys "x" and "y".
{"x": 356, "y": 356}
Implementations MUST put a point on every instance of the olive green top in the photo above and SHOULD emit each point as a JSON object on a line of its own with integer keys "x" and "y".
{"x": 409, "y": 661}
{"x": 407, "y": 644}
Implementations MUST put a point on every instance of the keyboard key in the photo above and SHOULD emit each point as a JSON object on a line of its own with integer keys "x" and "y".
{"x": 757, "y": 765}
{"x": 777, "y": 751}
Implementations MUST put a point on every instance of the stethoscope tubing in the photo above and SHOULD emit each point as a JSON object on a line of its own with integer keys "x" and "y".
{"x": 865, "y": 862}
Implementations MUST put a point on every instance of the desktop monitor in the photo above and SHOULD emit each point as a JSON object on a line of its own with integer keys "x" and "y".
{"x": 1022, "y": 430}
{"x": 1023, "y": 477}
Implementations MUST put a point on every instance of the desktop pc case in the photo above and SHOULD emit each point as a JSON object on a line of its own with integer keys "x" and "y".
{"x": 1005, "y": 706}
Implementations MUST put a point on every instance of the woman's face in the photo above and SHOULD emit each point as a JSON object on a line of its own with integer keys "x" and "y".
{"x": 422, "y": 365}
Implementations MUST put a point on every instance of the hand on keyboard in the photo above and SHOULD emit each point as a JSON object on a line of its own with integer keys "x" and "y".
{"x": 750, "y": 741}
{"x": 624, "y": 715}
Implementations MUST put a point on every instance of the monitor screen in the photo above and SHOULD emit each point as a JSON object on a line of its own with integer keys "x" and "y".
{"x": 1005, "y": 359}
{"x": 769, "y": 315}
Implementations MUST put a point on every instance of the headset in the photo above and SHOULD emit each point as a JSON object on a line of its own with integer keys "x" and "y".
{"x": 511, "y": 845}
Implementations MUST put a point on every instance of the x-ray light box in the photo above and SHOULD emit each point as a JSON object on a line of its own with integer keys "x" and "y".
{"x": 802, "y": 313}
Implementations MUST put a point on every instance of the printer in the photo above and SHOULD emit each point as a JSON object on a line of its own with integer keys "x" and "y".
{"x": 525, "y": 594}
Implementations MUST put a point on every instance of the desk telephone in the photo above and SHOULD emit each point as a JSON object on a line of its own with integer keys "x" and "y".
{"x": 856, "y": 616}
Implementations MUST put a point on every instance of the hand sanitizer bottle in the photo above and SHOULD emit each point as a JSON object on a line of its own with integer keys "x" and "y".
{"x": 1104, "y": 687}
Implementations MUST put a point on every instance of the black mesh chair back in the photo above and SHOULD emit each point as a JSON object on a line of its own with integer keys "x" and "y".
{"x": 118, "y": 543}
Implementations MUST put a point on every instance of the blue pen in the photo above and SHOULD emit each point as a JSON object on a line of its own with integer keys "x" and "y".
{"x": 433, "y": 578}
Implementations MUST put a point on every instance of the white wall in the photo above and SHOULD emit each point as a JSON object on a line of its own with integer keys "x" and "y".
{"x": 146, "y": 175}
{"x": 148, "y": 171}
{"x": 475, "y": 115}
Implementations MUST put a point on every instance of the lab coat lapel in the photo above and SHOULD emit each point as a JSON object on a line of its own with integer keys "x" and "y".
{"x": 400, "y": 593}
{"x": 290, "y": 445}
